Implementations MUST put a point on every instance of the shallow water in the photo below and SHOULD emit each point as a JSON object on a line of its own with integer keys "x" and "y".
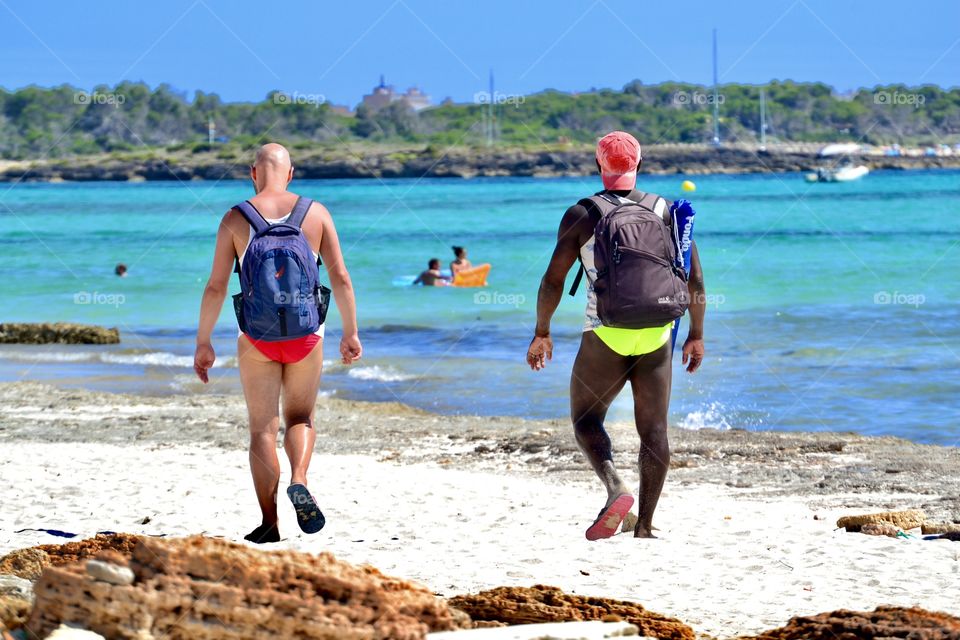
{"x": 833, "y": 306}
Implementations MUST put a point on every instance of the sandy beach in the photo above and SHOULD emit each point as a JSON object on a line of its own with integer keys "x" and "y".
{"x": 747, "y": 520}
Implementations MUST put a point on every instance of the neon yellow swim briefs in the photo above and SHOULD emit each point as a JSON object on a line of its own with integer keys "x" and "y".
{"x": 634, "y": 342}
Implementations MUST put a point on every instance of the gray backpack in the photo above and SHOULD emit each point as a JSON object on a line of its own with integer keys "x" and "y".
{"x": 638, "y": 284}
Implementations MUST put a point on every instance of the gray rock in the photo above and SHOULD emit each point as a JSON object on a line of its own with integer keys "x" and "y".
{"x": 16, "y": 587}
{"x": 111, "y": 573}
{"x": 629, "y": 522}
{"x": 68, "y": 632}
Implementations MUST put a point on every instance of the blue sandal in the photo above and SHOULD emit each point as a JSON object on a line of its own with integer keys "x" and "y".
{"x": 309, "y": 516}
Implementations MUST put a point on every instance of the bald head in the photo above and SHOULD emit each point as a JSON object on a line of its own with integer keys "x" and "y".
{"x": 273, "y": 156}
{"x": 272, "y": 167}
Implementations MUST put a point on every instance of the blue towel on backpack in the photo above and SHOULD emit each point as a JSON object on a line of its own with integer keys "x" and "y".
{"x": 683, "y": 217}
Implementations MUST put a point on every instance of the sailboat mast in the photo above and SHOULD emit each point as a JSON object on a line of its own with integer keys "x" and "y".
{"x": 491, "y": 121}
{"x": 763, "y": 119}
{"x": 716, "y": 94}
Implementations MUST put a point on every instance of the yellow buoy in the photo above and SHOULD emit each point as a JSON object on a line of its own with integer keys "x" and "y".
{"x": 687, "y": 185}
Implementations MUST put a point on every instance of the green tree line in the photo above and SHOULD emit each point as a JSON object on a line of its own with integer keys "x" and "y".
{"x": 63, "y": 121}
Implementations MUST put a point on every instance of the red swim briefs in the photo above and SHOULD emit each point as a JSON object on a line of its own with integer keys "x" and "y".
{"x": 287, "y": 351}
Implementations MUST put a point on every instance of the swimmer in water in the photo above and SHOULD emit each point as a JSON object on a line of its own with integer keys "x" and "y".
{"x": 432, "y": 276}
{"x": 461, "y": 263}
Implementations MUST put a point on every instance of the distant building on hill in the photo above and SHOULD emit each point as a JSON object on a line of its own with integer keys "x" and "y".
{"x": 341, "y": 109}
{"x": 384, "y": 94}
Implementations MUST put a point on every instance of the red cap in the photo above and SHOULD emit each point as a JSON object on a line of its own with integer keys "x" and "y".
{"x": 618, "y": 153}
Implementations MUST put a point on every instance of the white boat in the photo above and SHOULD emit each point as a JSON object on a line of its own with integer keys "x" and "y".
{"x": 845, "y": 173}
{"x": 840, "y": 149}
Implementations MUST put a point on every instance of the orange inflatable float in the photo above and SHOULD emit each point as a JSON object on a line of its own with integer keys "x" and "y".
{"x": 475, "y": 277}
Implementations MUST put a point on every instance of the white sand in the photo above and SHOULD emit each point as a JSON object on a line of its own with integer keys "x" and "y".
{"x": 724, "y": 565}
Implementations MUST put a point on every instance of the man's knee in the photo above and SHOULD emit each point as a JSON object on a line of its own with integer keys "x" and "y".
{"x": 655, "y": 447}
{"x": 264, "y": 428}
{"x": 298, "y": 416}
{"x": 588, "y": 430}
{"x": 586, "y": 420}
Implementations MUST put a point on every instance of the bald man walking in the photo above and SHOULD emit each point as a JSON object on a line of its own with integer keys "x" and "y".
{"x": 273, "y": 367}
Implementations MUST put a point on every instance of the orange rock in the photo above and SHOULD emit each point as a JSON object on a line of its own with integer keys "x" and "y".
{"x": 207, "y": 589}
{"x": 61, "y": 554}
{"x": 529, "y": 605}
{"x": 884, "y": 622}
{"x": 29, "y": 563}
{"x": 880, "y": 529}
{"x": 24, "y": 563}
{"x": 13, "y": 612}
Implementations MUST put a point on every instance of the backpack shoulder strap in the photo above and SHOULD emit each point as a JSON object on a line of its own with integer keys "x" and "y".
{"x": 299, "y": 212}
{"x": 601, "y": 197}
{"x": 254, "y": 219}
{"x": 576, "y": 280}
{"x": 252, "y": 216}
{"x": 655, "y": 203}
{"x": 601, "y": 204}
{"x": 592, "y": 206}
{"x": 298, "y": 215}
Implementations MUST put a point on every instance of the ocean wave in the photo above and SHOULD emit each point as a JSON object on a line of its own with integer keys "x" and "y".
{"x": 711, "y": 417}
{"x": 146, "y": 359}
{"x": 153, "y": 359}
{"x": 378, "y": 373}
{"x": 49, "y": 357}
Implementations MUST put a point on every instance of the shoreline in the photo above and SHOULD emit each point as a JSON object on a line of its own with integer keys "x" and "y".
{"x": 756, "y": 463}
{"x": 425, "y": 161}
{"x": 463, "y": 504}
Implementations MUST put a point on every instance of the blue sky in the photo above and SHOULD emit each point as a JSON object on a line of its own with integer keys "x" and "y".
{"x": 242, "y": 49}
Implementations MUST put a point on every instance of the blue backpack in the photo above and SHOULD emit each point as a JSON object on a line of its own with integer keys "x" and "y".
{"x": 280, "y": 296}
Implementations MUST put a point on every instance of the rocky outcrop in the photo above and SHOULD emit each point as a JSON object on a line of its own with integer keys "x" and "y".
{"x": 884, "y": 622}
{"x": 69, "y": 552}
{"x": 932, "y": 528}
{"x": 56, "y": 333}
{"x": 881, "y": 529}
{"x": 904, "y": 519}
{"x": 16, "y": 598}
{"x": 529, "y": 605}
{"x": 454, "y": 162}
{"x": 204, "y": 589}
{"x": 25, "y": 563}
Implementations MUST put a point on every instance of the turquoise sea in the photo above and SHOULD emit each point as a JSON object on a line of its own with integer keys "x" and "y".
{"x": 833, "y": 306}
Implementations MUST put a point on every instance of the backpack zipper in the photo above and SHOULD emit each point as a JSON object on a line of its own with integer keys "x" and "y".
{"x": 617, "y": 253}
